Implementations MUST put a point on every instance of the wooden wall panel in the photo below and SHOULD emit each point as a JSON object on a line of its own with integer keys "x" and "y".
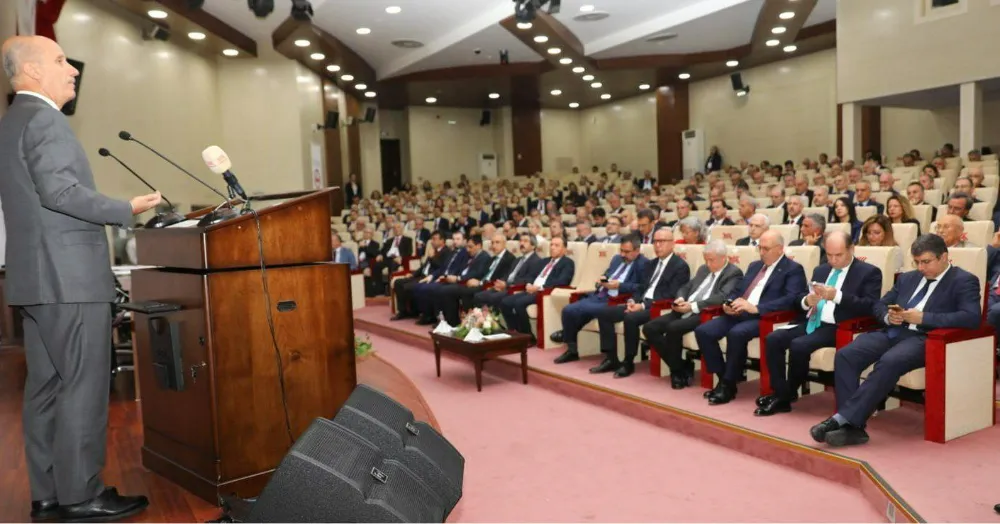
{"x": 672, "y": 119}
{"x": 526, "y": 125}
{"x": 331, "y": 147}
{"x": 871, "y": 129}
{"x": 353, "y": 137}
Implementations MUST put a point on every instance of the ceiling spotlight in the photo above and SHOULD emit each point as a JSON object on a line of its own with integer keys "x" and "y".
{"x": 742, "y": 92}
{"x": 578, "y": 69}
{"x": 586, "y": 8}
{"x": 347, "y": 78}
{"x": 317, "y": 56}
{"x": 195, "y": 35}
{"x": 790, "y": 48}
{"x": 787, "y": 15}
{"x": 157, "y": 14}
{"x": 778, "y": 30}
{"x": 494, "y": 96}
{"x": 732, "y": 63}
{"x": 772, "y": 43}
{"x": 605, "y": 96}
{"x": 302, "y": 43}
{"x": 333, "y": 68}
{"x": 566, "y": 61}
{"x": 370, "y": 94}
{"x": 431, "y": 100}
{"x": 541, "y": 39}
{"x": 597, "y": 85}
{"x": 556, "y": 92}
{"x": 554, "y": 50}
{"x": 393, "y": 10}
{"x": 363, "y": 31}
{"x": 684, "y": 76}
{"x": 361, "y": 87}
{"x": 524, "y": 25}
{"x": 230, "y": 52}
{"x": 302, "y": 10}
{"x": 587, "y": 78}
{"x": 573, "y": 105}
{"x": 644, "y": 87}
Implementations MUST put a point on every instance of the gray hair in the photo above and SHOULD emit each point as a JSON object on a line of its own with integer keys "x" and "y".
{"x": 716, "y": 247}
{"x": 10, "y": 64}
{"x": 695, "y": 224}
{"x": 767, "y": 219}
{"x": 532, "y": 238}
{"x": 749, "y": 200}
{"x": 818, "y": 219}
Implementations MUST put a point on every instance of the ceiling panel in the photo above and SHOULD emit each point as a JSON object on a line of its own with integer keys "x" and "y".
{"x": 490, "y": 41}
{"x": 824, "y": 11}
{"x": 625, "y": 14}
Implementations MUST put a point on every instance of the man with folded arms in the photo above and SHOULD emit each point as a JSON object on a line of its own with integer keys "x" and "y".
{"x": 433, "y": 265}
{"x": 842, "y": 288}
{"x": 712, "y": 283}
{"x": 936, "y": 295}
{"x": 456, "y": 296}
{"x": 525, "y": 270}
{"x": 395, "y": 248}
{"x": 456, "y": 264}
{"x": 771, "y": 284}
{"x": 557, "y": 271}
{"x": 623, "y": 276}
{"x": 475, "y": 269}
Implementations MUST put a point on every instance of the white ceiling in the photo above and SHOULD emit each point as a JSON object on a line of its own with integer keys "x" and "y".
{"x": 824, "y": 11}
{"x": 489, "y": 41}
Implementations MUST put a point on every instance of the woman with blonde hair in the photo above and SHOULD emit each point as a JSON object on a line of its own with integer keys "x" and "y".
{"x": 877, "y": 232}
{"x": 900, "y": 211}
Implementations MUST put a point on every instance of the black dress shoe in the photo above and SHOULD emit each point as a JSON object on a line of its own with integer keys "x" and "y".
{"x": 399, "y": 316}
{"x": 712, "y": 391}
{"x": 764, "y": 400}
{"x": 820, "y": 430}
{"x": 568, "y": 356}
{"x": 424, "y": 321}
{"x": 847, "y": 436}
{"x": 43, "y": 510}
{"x": 725, "y": 394}
{"x": 626, "y": 369}
{"x": 557, "y": 337}
{"x": 775, "y": 405}
{"x": 680, "y": 380}
{"x": 106, "y": 507}
{"x": 606, "y": 366}
{"x": 996, "y": 508}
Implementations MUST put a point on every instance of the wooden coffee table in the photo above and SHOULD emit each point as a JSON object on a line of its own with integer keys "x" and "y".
{"x": 479, "y": 352}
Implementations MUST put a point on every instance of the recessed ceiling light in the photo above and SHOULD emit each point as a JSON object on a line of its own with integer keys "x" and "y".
{"x": 302, "y": 43}
{"x": 361, "y": 87}
{"x": 597, "y": 85}
{"x": 732, "y": 63}
{"x": 554, "y": 50}
{"x": 787, "y": 15}
{"x": 431, "y": 100}
{"x": 644, "y": 86}
{"x": 587, "y": 78}
{"x": 586, "y": 8}
{"x": 370, "y": 94}
{"x": 578, "y": 69}
{"x": 524, "y": 25}
{"x": 230, "y": 52}
{"x": 363, "y": 31}
{"x": 790, "y": 48}
{"x": 347, "y": 78}
{"x": 566, "y": 61}
{"x": 156, "y": 13}
{"x": 452, "y": 122}
{"x": 573, "y": 105}
{"x": 556, "y": 92}
{"x": 772, "y": 43}
{"x": 302, "y": 79}
{"x": 317, "y": 56}
{"x": 684, "y": 76}
{"x": 494, "y": 96}
{"x": 778, "y": 30}
{"x": 605, "y": 96}
{"x": 195, "y": 35}
{"x": 541, "y": 39}
{"x": 333, "y": 68}
{"x": 81, "y": 17}
{"x": 393, "y": 9}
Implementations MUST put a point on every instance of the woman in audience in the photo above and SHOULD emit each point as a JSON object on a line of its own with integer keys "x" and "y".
{"x": 376, "y": 196}
{"x": 877, "y": 232}
{"x": 843, "y": 212}
{"x": 900, "y": 211}
{"x": 693, "y": 231}
{"x": 535, "y": 228}
{"x": 714, "y": 161}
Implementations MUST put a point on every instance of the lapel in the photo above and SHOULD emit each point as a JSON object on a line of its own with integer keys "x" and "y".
{"x": 779, "y": 268}
{"x": 941, "y": 285}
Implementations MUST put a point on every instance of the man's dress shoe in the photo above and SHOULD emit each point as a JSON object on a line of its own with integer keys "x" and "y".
{"x": 723, "y": 396}
{"x": 106, "y": 507}
{"x": 847, "y": 436}
{"x": 820, "y": 430}
{"x": 43, "y": 510}
{"x": 775, "y": 405}
{"x": 606, "y": 366}
{"x": 626, "y": 369}
{"x": 567, "y": 356}
{"x": 557, "y": 337}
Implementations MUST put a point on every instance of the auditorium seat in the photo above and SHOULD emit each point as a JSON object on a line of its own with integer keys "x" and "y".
{"x": 729, "y": 234}
{"x": 789, "y": 232}
{"x": 357, "y": 280}
{"x": 598, "y": 260}
{"x": 981, "y": 211}
{"x": 584, "y": 277}
{"x": 865, "y": 212}
{"x": 905, "y": 235}
{"x": 924, "y": 215}
{"x": 978, "y": 232}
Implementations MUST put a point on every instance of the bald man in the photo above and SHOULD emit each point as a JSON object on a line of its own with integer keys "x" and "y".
{"x": 952, "y": 230}
{"x": 59, "y": 275}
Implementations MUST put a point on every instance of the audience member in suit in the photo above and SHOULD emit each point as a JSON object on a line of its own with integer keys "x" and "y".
{"x": 464, "y": 223}
{"x": 395, "y": 248}
{"x": 720, "y": 216}
{"x": 439, "y": 254}
{"x": 541, "y": 204}
{"x": 993, "y": 275}
{"x": 915, "y": 195}
{"x": 684, "y": 209}
{"x": 770, "y": 284}
{"x": 777, "y": 197}
{"x": 712, "y": 283}
{"x": 802, "y": 190}
{"x": 850, "y": 289}
{"x": 863, "y": 197}
{"x": 811, "y": 232}
{"x": 459, "y": 296}
{"x": 525, "y": 269}
{"x": 714, "y": 161}
{"x": 793, "y": 211}
{"x": 519, "y": 219}
{"x": 844, "y": 213}
{"x": 501, "y": 213}
{"x": 623, "y": 276}
{"x": 960, "y": 205}
{"x": 584, "y": 233}
{"x": 613, "y": 228}
{"x": 937, "y": 295}
{"x": 475, "y": 270}
{"x": 342, "y": 255}
{"x": 352, "y": 190}
{"x": 664, "y": 276}
{"x": 421, "y": 235}
{"x": 759, "y": 223}
{"x": 557, "y": 270}
{"x": 440, "y": 223}
{"x": 457, "y": 263}
{"x": 952, "y": 229}
{"x": 647, "y": 182}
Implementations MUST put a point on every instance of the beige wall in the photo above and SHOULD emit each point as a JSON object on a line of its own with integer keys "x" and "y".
{"x": 371, "y": 153}
{"x": 503, "y": 141}
{"x": 928, "y": 130}
{"x": 441, "y": 151}
{"x": 791, "y": 112}
{"x": 882, "y": 50}
{"x": 560, "y": 140}
{"x": 622, "y": 132}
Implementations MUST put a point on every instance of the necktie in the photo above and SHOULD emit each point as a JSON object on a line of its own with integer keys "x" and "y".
{"x": 395, "y": 243}
{"x": 654, "y": 280}
{"x": 817, "y": 317}
{"x": 548, "y": 267}
{"x": 517, "y": 268}
{"x": 493, "y": 266}
{"x": 704, "y": 290}
{"x": 996, "y": 287}
{"x": 894, "y": 331}
{"x": 756, "y": 280}
{"x": 615, "y": 276}
{"x": 447, "y": 269}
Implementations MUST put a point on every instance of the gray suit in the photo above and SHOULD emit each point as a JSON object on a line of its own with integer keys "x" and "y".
{"x": 59, "y": 273}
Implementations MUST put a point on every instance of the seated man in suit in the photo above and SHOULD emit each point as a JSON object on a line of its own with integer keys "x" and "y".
{"x": 458, "y": 262}
{"x": 951, "y": 229}
{"x": 759, "y": 223}
{"x": 719, "y": 216}
{"x": 851, "y": 289}
{"x": 557, "y": 270}
{"x": 793, "y": 210}
{"x": 613, "y": 228}
{"x": 664, "y": 276}
{"x": 584, "y": 233}
{"x": 342, "y": 255}
{"x": 475, "y": 269}
{"x": 812, "y": 229}
{"x": 395, "y": 248}
{"x": 421, "y": 234}
{"x": 622, "y": 276}
{"x": 438, "y": 256}
{"x": 937, "y": 295}
{"x": 713, "y": 282}
{"x": 525, "y": 270}
{"x": 863, "y": 197}
{"x": 770, "y": 284}
{"x": 451, "y": 298}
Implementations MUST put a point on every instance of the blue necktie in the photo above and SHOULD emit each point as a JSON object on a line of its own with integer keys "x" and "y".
{"x": 894, "y": 331}
{"x": 618, "y": 272}
{"x": 817, "y": 318}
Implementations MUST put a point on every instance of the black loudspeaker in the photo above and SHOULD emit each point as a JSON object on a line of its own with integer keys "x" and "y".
{"x": 370, "y": 114}
{"x": 486, "y": 118}
{"x": 737, "y": 79}
{"x": 332, "y": 119}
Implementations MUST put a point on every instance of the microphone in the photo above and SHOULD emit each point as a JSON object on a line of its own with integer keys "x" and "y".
{"x": 161, "y": 220}
{"x": 218, "y": 161}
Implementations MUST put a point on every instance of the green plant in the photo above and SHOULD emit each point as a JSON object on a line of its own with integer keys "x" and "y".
{"x": 362, "y": 346}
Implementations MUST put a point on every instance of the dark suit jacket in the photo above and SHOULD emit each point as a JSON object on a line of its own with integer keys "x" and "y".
{"x": 422, "y": 236}
{"x": 728, "y": 279}
{"x": 533, "y": 204}
{"x": 476, "y": 267}
{"x": 440, "y": 224}
{"x": 561, "y": 273}
{"x": 860, "y": 291}
{"x": 464, "y": 225}
{"x": 724, "y": 222}
{"x": 589, "y": 239}
{"x": 871, "y": 202}
{"x": 788, "y": 221}
{"x": 501, "y": 215}
{"x": 745, "y": 241}
{"x": 612, "y": 239}
{"x": 633, "y": 280}
{"x": 809, "y": 196}
{"x": 822, "y": 250}
{"x": 676, "y": 274}
{"x": 350, "y": 193}
{"x": 640, "y": 184}
{"x": 529, "y": 270}
{"x": 370, "y": 250}
{"x": 405, "y": 246}
{"x": 453, "y": 265}
{"x": 954, "y": 304}
{"x": 503, "y": 269}
{"x": 787, "y": 281}
{"x": 483, "y": 217}
{"x": 437, "y": 262}
{"x": 713, "y": 162}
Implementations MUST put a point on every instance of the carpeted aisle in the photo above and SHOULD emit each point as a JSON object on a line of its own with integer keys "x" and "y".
{"x": 533, "y": 455}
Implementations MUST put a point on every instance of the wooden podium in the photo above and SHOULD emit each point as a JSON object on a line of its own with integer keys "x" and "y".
{"x": 212, "y": 410}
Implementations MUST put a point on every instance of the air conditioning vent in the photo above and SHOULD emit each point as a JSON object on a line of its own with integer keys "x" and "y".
{"x": 662, "y": 38}
{"x": 592, "y": 16}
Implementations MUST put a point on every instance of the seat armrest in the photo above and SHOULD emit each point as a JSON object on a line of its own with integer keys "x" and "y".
{"x": 767, "y": 322}
{"x": 708, "y": 313}
{"x": 578, "y": 295}
{"x": 659, "y": 306}
{"x": 778, "y": 317}
{"x": 401, "y": 273}
{"x": 949, "y": 335}
{"x": 848, "y": 328}
{"x": 516, "y": 288}
{"x": 547, "y": 292}
{"x": 622, "y": 298}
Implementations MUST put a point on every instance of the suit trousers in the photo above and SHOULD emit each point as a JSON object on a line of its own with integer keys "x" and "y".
{"x": 67, "y": 350}
{"x": 607, "y": 319}
{"x": 423, "y": 298}
{"x": 579, "y": 313}
{"x": 893, "y": 358}
{"x": 993, "y": 311}
{"x": 452, "y": 298}
{"x": 377, "y": 279}
{"x": 800, "y": 347}
{"x": 515, "y": 311}
{"x": 490, "y": 298}
{"x": 738, "y": 332}
{"x": 403, "y": 289}
{"x": 666, "y": 334}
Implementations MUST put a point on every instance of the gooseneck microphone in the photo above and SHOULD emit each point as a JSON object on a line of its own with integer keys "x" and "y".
{"x": 218, "y": 161}
{"x": 161, "y": 220}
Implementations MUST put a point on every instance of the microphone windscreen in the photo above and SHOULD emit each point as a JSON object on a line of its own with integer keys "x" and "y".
{"x": 216, "y": 159}
{"x": 103, "y": 152}
{"x": 125, "y": 135}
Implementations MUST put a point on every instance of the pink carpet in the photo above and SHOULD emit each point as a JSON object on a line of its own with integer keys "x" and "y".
{"x": 533, "y": 455}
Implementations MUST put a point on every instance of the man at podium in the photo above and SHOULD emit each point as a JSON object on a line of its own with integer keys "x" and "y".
{"x": 59, "y": 274}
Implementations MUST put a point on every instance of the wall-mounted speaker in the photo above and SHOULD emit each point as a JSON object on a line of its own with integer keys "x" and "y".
{"x": 370, "y": 114}
{"x": 486, "y": 118}
{"x": 332, "y": 119}
{"x": 739, "y": 87}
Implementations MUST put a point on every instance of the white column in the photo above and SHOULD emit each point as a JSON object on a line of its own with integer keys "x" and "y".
{"x": 852, "y": 132}
{"x": 8, "y": 28}
{"x": 970, "y": 118}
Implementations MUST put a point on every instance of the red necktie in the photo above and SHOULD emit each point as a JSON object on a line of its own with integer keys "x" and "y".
{"x": 756, "y": 280}
{"x": 396, "y": 242}
{"x": 548, "y": 268}
{"x": 996, "y": 287}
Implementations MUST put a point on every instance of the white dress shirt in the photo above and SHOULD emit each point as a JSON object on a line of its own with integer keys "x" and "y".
{"x": 701, "y": 292}
{"x": 754, "y": 297}
{"x": 923, "y": 302}
{"x": 621, "y": 277}
{"x": 43, "y": 97}
{"x": 661, "y": 267}
{"x": 830, "y": 307}
{"x": 543, "y": 276}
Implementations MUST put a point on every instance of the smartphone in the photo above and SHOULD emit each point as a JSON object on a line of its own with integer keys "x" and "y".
{"x": 728, "y": 302}
{"x": 896, "y": 307}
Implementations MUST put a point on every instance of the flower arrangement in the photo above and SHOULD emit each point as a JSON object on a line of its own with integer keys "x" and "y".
{"x": 363, "y": 346}
{"x": 488, "y": 322}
